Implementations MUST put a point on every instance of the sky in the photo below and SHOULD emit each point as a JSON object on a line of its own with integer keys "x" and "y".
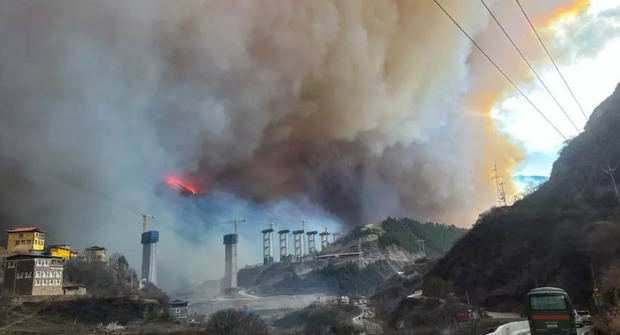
{"x": 589, "y": 45}
{"x": 338, "y": 112}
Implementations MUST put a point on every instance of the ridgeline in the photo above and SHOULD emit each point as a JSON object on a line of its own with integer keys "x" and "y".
{"x": 564, "y": 234}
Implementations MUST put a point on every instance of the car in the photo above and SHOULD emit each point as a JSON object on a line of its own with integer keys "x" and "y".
{"x": 585, "y": 316}
{"x": 578, "y": 320}
{"x": 549, "y": 311}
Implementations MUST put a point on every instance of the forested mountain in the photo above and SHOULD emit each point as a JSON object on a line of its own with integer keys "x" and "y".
{"x": 553, "y": 237}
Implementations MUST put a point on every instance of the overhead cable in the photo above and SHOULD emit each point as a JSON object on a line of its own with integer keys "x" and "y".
{"x": 500, "y": 70}
{"x": 529, "y": 65}
{"x": 552, "y": 60}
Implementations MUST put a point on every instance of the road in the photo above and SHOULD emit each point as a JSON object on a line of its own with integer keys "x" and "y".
{"x": 584, "y": 330}
{"x": 368, "y": 327}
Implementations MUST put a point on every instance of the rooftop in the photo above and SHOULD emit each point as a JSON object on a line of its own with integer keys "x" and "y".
{"x": 178, "y": 303}
{"x": 73, "y": 286}
{"x": 26, "y": 230}
{"x": 30, "y": 256}
{"x": 547, "y": 289}
{"x": 63, "y": 246}
{"x": 95, "y": 247}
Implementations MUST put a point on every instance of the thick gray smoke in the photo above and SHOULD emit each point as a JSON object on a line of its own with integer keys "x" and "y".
{"x": 339, "y": 110}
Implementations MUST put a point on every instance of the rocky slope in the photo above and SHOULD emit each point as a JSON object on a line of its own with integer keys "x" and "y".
{"x": 554, "y": 237}
{"x": 387, "y": 247}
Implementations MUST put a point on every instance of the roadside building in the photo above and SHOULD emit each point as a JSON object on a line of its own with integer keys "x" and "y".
{"x": 62, "y": 251}
{"x": 74, "y": 290}
{"x": 177, "y": 309}
{"x": 95, "y": 254}
{"x": 26, "y": 239}
{"x": 32, "y": 275}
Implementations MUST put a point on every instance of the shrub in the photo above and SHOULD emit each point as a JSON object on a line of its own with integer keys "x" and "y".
{"x": 235, "y": 322}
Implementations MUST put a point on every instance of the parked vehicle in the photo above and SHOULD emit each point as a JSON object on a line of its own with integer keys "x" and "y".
{"x": 578, "y": 320}
{"x": 585, "y": 316}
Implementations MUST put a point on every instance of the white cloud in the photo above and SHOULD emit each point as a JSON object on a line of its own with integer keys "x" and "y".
{"x": 591, "y": 75}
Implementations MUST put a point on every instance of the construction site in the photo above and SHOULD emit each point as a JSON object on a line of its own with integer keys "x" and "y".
{"x": 302, "y": 249}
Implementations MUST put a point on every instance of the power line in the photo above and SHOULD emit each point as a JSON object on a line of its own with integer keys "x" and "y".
{"x": 530, "y": 65}
{"x": 500, "y": 70}
{"x": 552, "y": 60}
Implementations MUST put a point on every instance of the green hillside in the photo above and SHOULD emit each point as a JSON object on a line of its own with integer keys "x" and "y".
{"x": 406, "y": 233}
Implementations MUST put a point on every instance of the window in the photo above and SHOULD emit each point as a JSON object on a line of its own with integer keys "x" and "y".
{"x": 548, "y": 302}
{"x": 36, "y": 282}
{"x": 11, "y": 265}
{"x": 28, "y": 275}
{"x": 21, "y": 235}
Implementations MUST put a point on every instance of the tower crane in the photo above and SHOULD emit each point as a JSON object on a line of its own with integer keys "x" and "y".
{"x": 235, "y": 222}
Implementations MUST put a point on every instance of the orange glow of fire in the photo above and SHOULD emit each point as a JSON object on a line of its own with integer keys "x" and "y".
{"x": 572, "y": 8}
{"x": 180, "y": 184}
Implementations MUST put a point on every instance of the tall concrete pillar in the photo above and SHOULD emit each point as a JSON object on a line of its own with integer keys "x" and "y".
{"x": 283, "y": 245}
{"x": 230, "y": 261}
{"x": 267, "y": 238}
{"x": 149, "y": 256}
{"x": 311, "y": 242}
{"x": 324, "y": 239}
{"x": 298, "y": 244}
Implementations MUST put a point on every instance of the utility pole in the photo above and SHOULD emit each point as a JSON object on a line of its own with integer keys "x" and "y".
{"x": 592, "y": 273}
{"x": 499, "y": 185}
{"x": 421, "y": 247}
{"x": 610, "y": 171}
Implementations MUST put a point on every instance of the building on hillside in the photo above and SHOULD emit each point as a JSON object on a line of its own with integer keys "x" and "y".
{"x": 26, "y": 239}
{"x": 95, "y": 254}
{"x": 62, "y": 251}
{"x": 74, "y": 290}
{"x": 32, "y": 275}
{"x": 177, "y": 309}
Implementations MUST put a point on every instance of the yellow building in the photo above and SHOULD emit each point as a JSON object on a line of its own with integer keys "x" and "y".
{"x": 62, "y": 251}
{"x": 28, "y": 239}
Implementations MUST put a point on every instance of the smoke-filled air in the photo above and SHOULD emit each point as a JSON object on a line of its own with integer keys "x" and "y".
{"x": 337, "y": 112}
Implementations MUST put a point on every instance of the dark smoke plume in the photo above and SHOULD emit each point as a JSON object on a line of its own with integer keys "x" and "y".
{"x": 352, "y": 109}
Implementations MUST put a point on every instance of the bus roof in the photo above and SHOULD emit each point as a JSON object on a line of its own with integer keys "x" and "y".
{"x": 547, "y": 290}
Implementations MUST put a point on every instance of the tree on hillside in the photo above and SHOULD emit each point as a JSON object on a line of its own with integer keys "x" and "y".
{"x": 320, "y": 319}
{"x": 101, "y": 279}
{"x": 608, "y": 318}
{"x": 236, "y": 322}
{"x": 329, "y": 321}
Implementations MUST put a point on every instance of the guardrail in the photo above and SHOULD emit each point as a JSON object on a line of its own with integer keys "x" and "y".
{"x": 513, "y": 328}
